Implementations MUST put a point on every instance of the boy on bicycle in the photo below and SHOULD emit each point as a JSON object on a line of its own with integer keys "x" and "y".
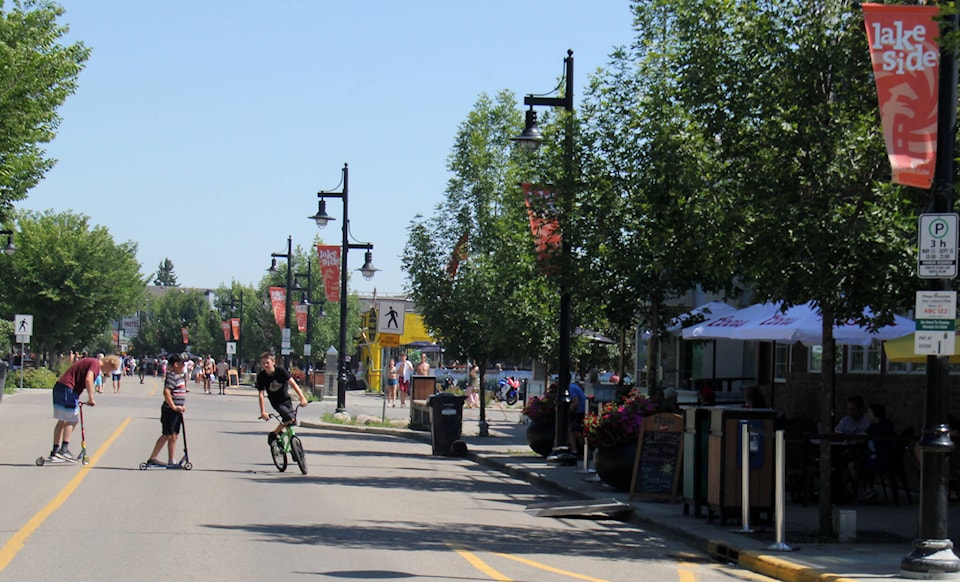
{"x": 276, "y": 383}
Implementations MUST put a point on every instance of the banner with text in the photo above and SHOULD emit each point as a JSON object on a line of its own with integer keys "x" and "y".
{"x": 329, "y": 259}
{"x": 185, "y": 335}
{"x": 278, "y": 299}
{"x": 544, "y": 226}
{"x": 226, "y": 330}
{"x": 301, "y": 311}
{"x": 235, "y": 326}
{"x": 906, "y": 66}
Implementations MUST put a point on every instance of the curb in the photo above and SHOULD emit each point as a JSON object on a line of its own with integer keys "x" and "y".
{"x": 752, "y": 560}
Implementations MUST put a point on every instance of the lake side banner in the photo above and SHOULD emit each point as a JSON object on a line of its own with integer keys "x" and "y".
{"x": 329, "y": 259}
{"x": 906, "y": 65}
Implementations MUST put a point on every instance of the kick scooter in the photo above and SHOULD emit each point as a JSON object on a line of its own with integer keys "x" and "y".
{"x": 184, "y": 463}
{"x": 82, "y": 457}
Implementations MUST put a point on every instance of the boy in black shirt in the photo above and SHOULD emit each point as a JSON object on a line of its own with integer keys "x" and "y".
{"x": 276, "y": 383}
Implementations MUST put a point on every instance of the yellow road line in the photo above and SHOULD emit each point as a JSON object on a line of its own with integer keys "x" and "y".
{"x": 684, "y": 574}
{"x": 550, "y": 568}
{"x": 19, "y": 539}
{"x": 479, "y": 564}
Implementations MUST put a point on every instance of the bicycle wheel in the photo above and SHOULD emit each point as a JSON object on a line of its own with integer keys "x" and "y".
{"x": 279, "y": 455}
{"x": 296, "y": 451}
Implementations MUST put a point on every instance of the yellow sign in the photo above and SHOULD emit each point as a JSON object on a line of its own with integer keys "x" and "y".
{"x": 389, "y": 340}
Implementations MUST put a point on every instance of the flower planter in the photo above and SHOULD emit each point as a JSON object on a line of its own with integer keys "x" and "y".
{"x": 540, "y": 437}
{"x": 614, "y": 465}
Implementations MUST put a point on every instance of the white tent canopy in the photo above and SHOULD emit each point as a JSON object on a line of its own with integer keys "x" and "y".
{"x": 800, "y": 323}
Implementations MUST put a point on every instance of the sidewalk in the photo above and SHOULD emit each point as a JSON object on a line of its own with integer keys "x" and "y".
{"x": 885, "y": 532}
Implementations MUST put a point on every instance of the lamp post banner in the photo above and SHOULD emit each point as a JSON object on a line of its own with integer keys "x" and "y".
{"x": 545, "y": 229}
{"x": 278, "y": 299}
{"x": 226, "y": 330}
{"x": 906, "y": 65}
{"x": 235, "y": 326}
{"x": 329, "y": 258}
{"x": 185, "y": 335}
{"x": 301, "y": 311}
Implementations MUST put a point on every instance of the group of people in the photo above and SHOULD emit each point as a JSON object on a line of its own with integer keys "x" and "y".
{"x": 273, "y": 383}
{"x": 398, "y": 377}
{"x": 871, "y": 458}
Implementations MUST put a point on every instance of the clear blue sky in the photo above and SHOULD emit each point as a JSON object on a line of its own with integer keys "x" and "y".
{"x": 203, "y": 129}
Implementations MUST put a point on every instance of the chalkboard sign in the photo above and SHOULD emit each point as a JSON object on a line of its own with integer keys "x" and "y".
{"x": 657, "y": 466}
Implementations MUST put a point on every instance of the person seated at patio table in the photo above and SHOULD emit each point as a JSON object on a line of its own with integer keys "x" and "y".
{"x": 854, "y": 422}
{"x": 877, "y": 454}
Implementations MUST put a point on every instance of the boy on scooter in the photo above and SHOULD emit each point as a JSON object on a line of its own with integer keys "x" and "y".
{"x": 66, "y": 395}
{"x": 276, "y": 383}
{"x": 171, "y": 412}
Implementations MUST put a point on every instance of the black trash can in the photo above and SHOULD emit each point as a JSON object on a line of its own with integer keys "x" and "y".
{"x": 446, "y": 421}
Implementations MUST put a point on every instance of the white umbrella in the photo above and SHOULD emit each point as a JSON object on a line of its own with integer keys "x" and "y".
{"x": 726, "y": 326}
{"x": 706, "y": 312}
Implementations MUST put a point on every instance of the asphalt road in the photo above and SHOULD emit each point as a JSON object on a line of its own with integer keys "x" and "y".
{"x": 371, "y": 507}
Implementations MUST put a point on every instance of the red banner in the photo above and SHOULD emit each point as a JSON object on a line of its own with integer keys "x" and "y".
{"x": 906, "y": 65}
{"x": 545, "y": 229}
{"x": 329, "y": 259}
{"x": 185, "y": 335}
{"x": 235, "y": 326}
{"x": 278, "y": 298}
{"x": 301, "y": 311}
{"x": 226, "y": 330}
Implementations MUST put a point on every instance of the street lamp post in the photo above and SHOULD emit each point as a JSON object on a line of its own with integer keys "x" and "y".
{"x": 933, "y": 555}
{"x": 367, "y": 270}
{"x": 308, "y": 301}
{"x": 233, "y": 308}
{"x": 530, "y": 139}
{"x": 285, "y": 338}
{"x": 9, "y": 249}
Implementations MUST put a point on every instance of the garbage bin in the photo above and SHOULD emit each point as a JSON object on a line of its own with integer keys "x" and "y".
{"x": 3, "y": 377}
{"x": 446, "y": 421}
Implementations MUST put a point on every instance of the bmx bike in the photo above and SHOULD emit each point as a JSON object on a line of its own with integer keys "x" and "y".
{"x": 287, "y": 442}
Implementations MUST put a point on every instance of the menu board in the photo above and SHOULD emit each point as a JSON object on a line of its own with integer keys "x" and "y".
{"x": 656, "y": 469}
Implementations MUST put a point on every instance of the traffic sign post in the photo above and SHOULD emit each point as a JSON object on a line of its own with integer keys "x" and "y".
{"x": 936, "y": 313}
{"x": 937, "y": 258}
{"x": 23, "y": 327}
{"x": 390, "y": 317}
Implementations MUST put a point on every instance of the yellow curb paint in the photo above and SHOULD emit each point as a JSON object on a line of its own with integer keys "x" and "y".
{"x": 19, "y": 539}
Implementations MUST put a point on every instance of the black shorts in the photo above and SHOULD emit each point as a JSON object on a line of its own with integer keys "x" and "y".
{"x": 576, "y": 421}
{"x": 170, "y": 420}
{"x": 287, "y": 411}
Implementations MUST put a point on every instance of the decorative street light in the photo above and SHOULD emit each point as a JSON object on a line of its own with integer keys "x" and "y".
{"x": 307, "y": 295}
{"x": 285, "y": 338}
{"x": 367, "y": 270}
{"x": 9, "y": 249}
{"x": 530, "y": 139}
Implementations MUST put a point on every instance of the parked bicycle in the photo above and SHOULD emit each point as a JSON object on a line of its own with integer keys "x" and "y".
{"x": 287, "y": 442}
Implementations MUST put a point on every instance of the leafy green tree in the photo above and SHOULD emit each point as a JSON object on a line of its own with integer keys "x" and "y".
{"x": 71, "y": 276}
{"x": 652, "y": 208}
{"x": 784, "y": 91}
{"x": 37, "y": 75}
{"x": 165, "y": 275}
{"x": 471, "y": 266}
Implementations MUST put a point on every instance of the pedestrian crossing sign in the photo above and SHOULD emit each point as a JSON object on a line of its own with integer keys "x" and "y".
{"x": 390, "y": 317}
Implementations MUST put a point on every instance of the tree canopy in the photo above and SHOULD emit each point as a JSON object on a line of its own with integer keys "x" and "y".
{"x": 37, "y": 74}
{"x": 71, "y": 276}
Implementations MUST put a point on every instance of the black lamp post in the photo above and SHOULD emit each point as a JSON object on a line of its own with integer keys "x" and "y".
{"x": 234, "y": 308}
{"x": 308, "y": 301}
{"x": 285, "y": 339}
{"x": 933, "y": 556}
{"x": 530, "y": 139}
{"x": 9, "y": 249}
{"x": 367, "y": 270}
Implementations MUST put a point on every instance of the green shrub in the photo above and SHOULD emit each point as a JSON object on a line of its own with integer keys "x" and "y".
{"x": 32, "y": 378}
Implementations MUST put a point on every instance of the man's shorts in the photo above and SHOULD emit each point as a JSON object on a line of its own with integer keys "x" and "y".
{"x": 170, "y": 420}
{"x": 286, "y": 410}
{"x": 65, "y": 404}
